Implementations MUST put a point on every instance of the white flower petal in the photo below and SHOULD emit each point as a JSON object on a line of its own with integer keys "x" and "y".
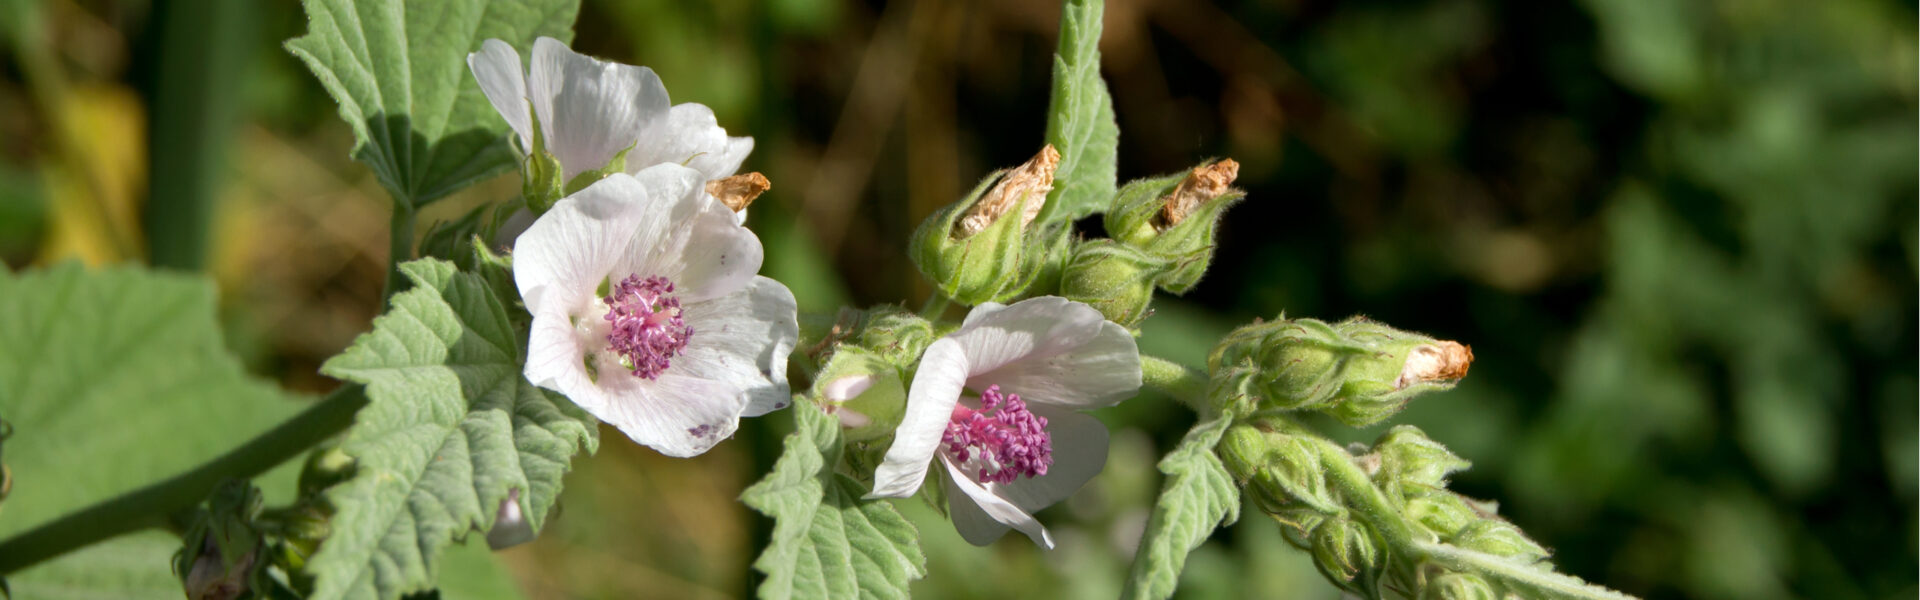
{"x": 690, "y": 136}
{"x": 936, "y": 387}
{"x": 983, "y": 517}
{"x": 577, "y": 244}
{"x": 1098, "y": 372}
{"x": 497, "y": 67}
{"x": 705, "y": 252}
{"x": 555, "y": 352}
{"x": 980, "y": 311}
{"x": 1036, "y": 328}
{"x": 590, "y": 109}
{"x": 1079, "y": 452}
{"x": 743, "y": 339}
{"x": 678, "y": 415}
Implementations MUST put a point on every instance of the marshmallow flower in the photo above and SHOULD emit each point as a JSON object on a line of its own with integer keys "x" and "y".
{"x": 589, "y": 110}
{"x": 647, "y": 311}
{"x": 994, "y": 405}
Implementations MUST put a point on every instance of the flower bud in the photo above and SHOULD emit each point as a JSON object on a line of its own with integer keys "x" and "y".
{"x": 220, "y": 556}
{"x": 1494, "y": 535}
{"x": 1350, "y": 555}
{"x": 510, "y": 525}
{"x": 1458, "y": 586}
{"x": 1358, "y": 371}
{"x": 1442, "y": 513}
{"x": 974, "y": 252}
{"x": 1174, "y": 218}
{"x": 864, "y": 390}
{"x": 1408, "y": 458}
{"x": 1114, "y": 278}
{"x": 894, "y": 333}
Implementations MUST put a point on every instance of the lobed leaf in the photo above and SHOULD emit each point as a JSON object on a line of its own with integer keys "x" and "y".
{"x": 122, "y": 350}
{"x": 450, "y": 427}
{"x": 1199, "y": 496}
{"x": 827, "y": 541}
{"x": 398, "y": 68}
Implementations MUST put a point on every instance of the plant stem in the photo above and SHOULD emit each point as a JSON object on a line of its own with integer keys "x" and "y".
{"x": 935, "y": 307}
{"x": 400, "y": 234}
{"x": 1189, "y": 386}
{"x": 1552, "y": 585}
{"x": 152, "y": 505}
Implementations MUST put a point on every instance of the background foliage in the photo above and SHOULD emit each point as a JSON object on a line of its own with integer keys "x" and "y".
{"x": 1680, "y": 236}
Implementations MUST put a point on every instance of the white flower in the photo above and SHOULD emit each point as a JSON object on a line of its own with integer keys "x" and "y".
{"x": 1018, "y": 446}
{"x": 647, "y": 311}
{"x": 589, "y": 110}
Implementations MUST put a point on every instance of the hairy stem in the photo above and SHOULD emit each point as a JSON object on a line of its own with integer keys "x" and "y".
{"x": 1189, "y": 386}
{"x": 151, "y": 506}
{"x": 400, "y": 234}
{"x": 1549, "y": 584}
{"x": 935, "y": 307}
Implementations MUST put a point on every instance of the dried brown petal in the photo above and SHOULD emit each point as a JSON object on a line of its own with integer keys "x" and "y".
{"x": 1442, "y": 361}
{"x": 1032, "y": 180}
{"x": 739, "y": 191}
{"x": 1205, "y": 183}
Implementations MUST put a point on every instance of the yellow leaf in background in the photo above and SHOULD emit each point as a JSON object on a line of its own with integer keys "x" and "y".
{"x": 96, "y": 186}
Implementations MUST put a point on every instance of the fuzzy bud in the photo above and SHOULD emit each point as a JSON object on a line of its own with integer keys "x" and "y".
{"x": 510, "y": 525}
{"x": 221, "y": 552}
{"x": 973, "y": 255}
{"x": 864, "y": 390}
{"x": 1350, "y": 555}
{"x": 1174, "y": 218}
{"x": 1114, "y": 278}
{"x": 738, "y": 191}
{"x": 1458, "y": 586}
{"x": 1358, "y": 371}
{"x": 1408, "y": 458}
{"x": 1494, "y": 535}
{"x": 894, "y": 333}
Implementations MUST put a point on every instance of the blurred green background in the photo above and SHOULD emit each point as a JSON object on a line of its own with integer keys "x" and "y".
{"x": 1679, "y": 234}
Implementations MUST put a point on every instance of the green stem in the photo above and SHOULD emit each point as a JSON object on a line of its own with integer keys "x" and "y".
{"x": 400, "y": 234}
{"x": 935, "y": 307}
{"x": 1551, "y": 584}
{"x": 151, "y": 506}
{"x": 1189, "y": 386}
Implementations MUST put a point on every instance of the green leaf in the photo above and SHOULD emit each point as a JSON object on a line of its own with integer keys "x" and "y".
{"x": 1199, "y": 496}
{"x": 113, "y": 380}
{"x": 827, "y": 541}
{"x": 450, "y": 426}
{"x": 398, "y": 68}
{"x": 1080, "y": 119}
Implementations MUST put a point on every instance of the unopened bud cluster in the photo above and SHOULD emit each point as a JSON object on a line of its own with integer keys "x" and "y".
{"x": 1162, "y": 232}
{"x": 1358, "y": 371}
{"x": 1285, "y": 473}
{"x": 222, "y": 555}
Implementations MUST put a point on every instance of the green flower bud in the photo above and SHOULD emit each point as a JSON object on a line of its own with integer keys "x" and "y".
{"x": 897, "y": 335}
{"x": 1458, "y": 586}
{"x": 864, "y": 390}
{"x": 1278, "y": 466}
{"x": 986, "y": 248}
{"x": 220, "y": 558}
{"x": 1350, "y": 555}
{"x": 1358, "y": 371}
{"x": 540, "y": 173}
{"x": 1174, "y": 218}
{"x": 1297, "y": 522}
{"x": 1114, "y": 278}
{"x": 1494, "y": 535}
{"x": 1408, "y": 458}
{"x": 1440, "y": 512}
